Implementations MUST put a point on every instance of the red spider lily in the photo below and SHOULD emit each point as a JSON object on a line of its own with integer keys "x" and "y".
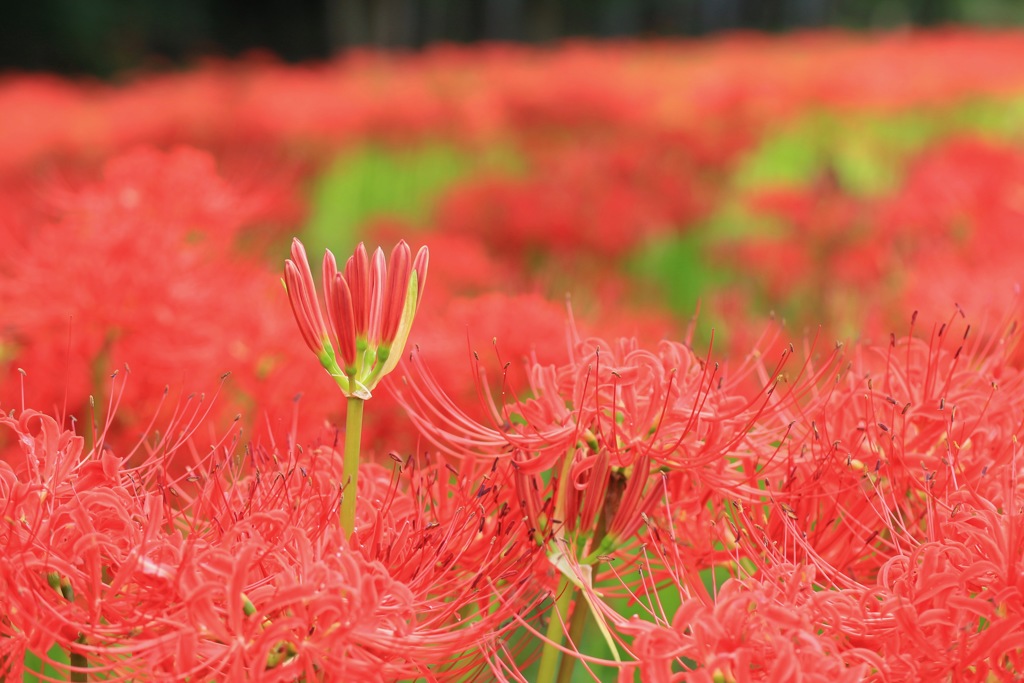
{"x": 954, "y": 606}
{"x": 369, "y": 313}
{"x": 872, "y": 510}
{"x": 86, "y": 543}
{"x": 619, "y": 397}
{"x": 753, "y": 631}
{"x": 902, "y": 423}
{"x": 603, "y": 438}
{"x": 904, "y": 513}
{"x": 239, "y": 571}
{"x": 948, "y": 607}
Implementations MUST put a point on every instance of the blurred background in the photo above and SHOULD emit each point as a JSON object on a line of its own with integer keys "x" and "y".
{"x": 106, "y": 37}
{"x": 833, "y": 164}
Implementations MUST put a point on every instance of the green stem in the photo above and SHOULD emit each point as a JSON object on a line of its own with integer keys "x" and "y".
{"x": 79, "y": 662}
{"x": 566, "y": 590}
{"x": 555, "y": 633}
{"x": 350, "y": 467}
{"x": 581, "y": 610}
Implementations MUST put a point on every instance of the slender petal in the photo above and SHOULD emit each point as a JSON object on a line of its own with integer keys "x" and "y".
{"x": 305, "y": 307}
{"x": 420, "y": 267}
{"x": 397, "y": 289}
{"x": 340, "y": 310}
{"x": 330, "y": 269}
{"x": 357, "y": 275}
{"x": 378, "y": 283}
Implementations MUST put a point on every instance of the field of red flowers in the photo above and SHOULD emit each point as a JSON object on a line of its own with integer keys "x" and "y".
{"x": 678, "y": 361}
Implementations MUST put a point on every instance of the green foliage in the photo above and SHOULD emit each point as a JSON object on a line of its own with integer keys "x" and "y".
{"x": 34, "y": 665}
{"x": 373, "y": 181}
{"x": 999, "y": 119}
{"x": 864, "y": 152}
{"x": 676, "y": 269}
{"x": 668, "y": 600}
{"x": 867, "y": 152}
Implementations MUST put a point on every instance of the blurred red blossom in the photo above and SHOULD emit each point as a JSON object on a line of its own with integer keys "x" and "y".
{"x": 141, "y": 268}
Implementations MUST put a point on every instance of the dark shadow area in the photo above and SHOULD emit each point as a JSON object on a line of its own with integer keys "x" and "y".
{"x": 107, "y": 37}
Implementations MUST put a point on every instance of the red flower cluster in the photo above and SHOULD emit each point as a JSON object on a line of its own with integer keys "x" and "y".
{"x": 142, "y": 269}
{"x": 576, "y": 500}
{"x": 604, "y": 198}
{"x": 238, "y": 570}
{"x": 924, "y": 246}
{"x": 880, "y": 543}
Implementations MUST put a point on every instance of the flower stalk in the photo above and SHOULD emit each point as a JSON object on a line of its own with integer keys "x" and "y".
{"x": 79, "y": 664}
{"x": 350, "y": 466}
{"x": 359, "y": 332}
{"x": 558, "y": 626}
{"x": 581, "y": 608}
{"x": 556, "y": 629}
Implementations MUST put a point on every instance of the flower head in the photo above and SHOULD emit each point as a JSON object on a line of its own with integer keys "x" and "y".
{"x": 369, "y": 311}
